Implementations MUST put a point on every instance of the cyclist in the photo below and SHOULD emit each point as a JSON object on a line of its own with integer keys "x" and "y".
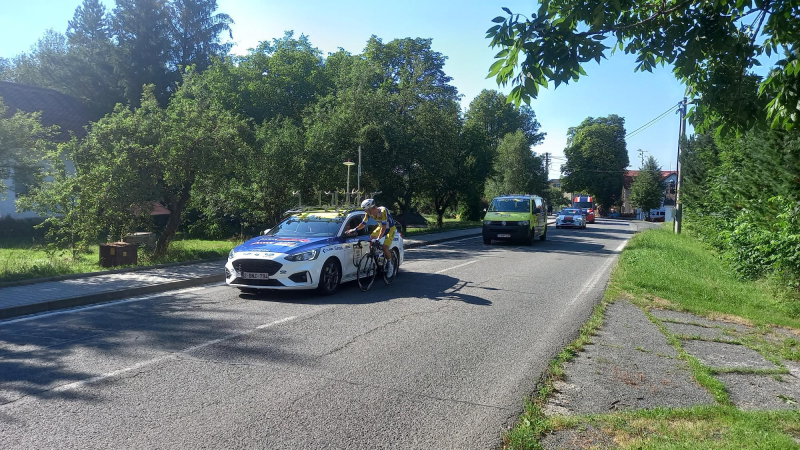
{"x": 386, "y": 229}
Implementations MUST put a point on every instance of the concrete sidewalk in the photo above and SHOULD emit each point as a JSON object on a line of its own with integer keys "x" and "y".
{"x": 35, "y": 296}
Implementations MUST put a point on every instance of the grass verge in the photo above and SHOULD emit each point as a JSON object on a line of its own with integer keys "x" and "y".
{"x": 21, "y": 262}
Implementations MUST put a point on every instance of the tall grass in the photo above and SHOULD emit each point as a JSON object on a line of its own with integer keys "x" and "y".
{"x": 684, "y": 271}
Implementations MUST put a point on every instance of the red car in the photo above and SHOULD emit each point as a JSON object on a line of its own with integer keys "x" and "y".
{"x": 589, "y": 213}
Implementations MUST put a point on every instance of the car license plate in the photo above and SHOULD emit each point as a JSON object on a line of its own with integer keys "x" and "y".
{"x": 255, "y": 276}
{"x": 504, "y": 235}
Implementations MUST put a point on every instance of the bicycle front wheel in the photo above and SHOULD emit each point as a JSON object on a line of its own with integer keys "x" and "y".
{"x": 389, "y": 277}
{"x": 367, "y": 269}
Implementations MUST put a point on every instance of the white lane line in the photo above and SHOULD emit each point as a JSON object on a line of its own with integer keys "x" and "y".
{"x": 149, "y": 362}
{"x": 106, "y": 304}
{"x": 595, "y": 278}
{"x": 456, "y": 267}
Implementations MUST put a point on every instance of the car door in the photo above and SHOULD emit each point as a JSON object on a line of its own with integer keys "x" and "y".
{"x": 539, "y": 216}
{"x": 352, "y": 253}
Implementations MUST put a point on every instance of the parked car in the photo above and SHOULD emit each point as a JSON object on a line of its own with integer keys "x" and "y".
{"x": 571, "y": 218}
{"x": 515, "y": 217}
{"x": 308, "y": 250}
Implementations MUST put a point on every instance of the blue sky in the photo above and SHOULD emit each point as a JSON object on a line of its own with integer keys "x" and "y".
{"x": 458, "y": 30}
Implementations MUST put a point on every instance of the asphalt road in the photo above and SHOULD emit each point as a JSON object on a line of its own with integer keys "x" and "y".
{"x": 442, "y": 358}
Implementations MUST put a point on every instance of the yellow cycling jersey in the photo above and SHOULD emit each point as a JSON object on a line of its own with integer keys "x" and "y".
{"x": 383, "y": 218}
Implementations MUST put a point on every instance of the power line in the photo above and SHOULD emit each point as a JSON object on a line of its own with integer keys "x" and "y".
{"x": 652, "y": 122}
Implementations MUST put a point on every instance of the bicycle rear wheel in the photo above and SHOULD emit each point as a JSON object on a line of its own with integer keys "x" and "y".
{"x": 367, "y": 269}
{"x": 389, "y": 277}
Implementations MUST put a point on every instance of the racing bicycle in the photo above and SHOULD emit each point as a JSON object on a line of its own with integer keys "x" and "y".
{"x": 373, "y": 262}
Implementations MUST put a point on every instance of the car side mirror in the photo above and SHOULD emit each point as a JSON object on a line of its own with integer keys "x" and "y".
{"x": 265, "y": 231}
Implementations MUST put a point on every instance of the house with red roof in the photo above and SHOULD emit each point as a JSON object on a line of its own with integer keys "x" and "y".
{"x": 667, "y": 204}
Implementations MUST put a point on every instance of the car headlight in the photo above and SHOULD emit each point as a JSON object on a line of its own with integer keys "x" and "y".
{"x": 231, "y": 254}
{"x": 524, "y": 222}
{"x": 304, "y": 256}
{"x": 487, "y": 222}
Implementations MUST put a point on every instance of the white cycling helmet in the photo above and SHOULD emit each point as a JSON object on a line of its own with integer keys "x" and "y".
{"x": 367, "y": 204}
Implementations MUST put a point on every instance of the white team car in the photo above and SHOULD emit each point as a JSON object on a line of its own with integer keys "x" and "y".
{"x": 308, "y": 250}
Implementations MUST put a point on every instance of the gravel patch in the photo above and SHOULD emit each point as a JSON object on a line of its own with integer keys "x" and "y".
{"x": 763, "y": 391}
{"x": 721, "y": 355}
{"x": 585, "y": 437}
{"x": 630, "y": 366}
{"x": 665, "y": 314}
{"x": 695, "y": 330}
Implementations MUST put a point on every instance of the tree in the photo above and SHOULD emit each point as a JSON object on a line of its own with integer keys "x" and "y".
{"x": 492, "y": 111}
{"x": 450, "y": 167}
{"x": 23, "y": 143}
{"x": 556, "y": 198}
{"x": 141, "y": 29}
{"x": 282, "y": 78}
{"x": 518, "y": 169}
{"x": 134, "y": 157}
{"x": 90, "y": 58}
{"x": 711, "y": 45}
{"x": 597, "y": 156}
{"x": 647, "y": 189}
{"x": 196, "y": 32}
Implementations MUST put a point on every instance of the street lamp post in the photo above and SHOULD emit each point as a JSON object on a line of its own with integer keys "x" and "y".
{"x": 348, "y": 163}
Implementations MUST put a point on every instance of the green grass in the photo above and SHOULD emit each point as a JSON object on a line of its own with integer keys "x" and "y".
{"x": 21, "y": 262}
{"x": 719, "y": 427}
{"x": 658, "y": 264}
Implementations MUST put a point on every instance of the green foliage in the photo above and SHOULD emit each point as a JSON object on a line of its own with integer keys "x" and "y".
{"x": 518, "y": 169}
{"x": 712, "y": 47}
{"x": 242, "y": 139}
{"x": 597, "y": 156}
{"x": 742, "y": 196}
{"x": 647, "y": 189}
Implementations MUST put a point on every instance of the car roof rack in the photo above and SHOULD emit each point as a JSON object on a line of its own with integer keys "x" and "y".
{"x": 343, "y": 209}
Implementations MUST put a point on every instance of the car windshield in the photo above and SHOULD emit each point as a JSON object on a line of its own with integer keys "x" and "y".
{"x": 307, "y": 226}
{"x": 510, "y": 205}
{"x": 570, "y": 211}
{"x": 583, "y": 205}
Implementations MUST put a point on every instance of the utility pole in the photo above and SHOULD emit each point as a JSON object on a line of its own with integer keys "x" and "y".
{"x": 681, "y": 138}
{"x": 641, "y": 156}
{"x": 547, "y": 165}
{"x": 359, "y": 170}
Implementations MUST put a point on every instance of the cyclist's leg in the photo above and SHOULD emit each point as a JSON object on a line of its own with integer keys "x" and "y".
{"x": 387, "y": 244}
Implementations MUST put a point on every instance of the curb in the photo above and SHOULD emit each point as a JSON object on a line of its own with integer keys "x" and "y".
{"x": 82, "y": 300}
{"x": 74, "y": 276}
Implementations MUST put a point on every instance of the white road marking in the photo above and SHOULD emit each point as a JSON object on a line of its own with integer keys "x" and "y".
{"x": 105, "y": 304}
{"x": 595, "y": 278}
{"x": 150, "y": 362}
{"x": 456, "y": 267}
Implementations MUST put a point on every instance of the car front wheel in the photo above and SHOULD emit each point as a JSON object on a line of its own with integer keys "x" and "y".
{"x": 329, "y": 277}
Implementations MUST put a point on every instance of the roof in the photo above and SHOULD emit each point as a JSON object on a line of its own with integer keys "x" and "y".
{"x": 518, "y": 196}
{"x": 628, "y": 176}
{"x": 69, "y": 113}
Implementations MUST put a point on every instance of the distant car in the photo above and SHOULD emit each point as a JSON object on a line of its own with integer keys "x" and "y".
{"x": 308, "y": 250}
{"x": 589, "y": 213}
{"x": 571, "y": 218}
